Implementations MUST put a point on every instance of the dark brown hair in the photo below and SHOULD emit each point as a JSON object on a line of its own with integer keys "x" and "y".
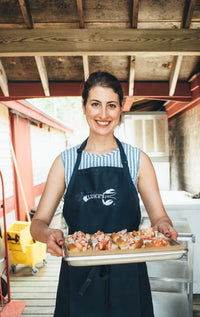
{"x": 103, "y": 79}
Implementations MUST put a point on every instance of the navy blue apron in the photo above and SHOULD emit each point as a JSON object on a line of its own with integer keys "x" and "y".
{"x": 103, "y": 198}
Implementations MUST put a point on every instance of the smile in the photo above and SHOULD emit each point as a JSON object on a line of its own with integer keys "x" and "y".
{"x": 103, "y": 123}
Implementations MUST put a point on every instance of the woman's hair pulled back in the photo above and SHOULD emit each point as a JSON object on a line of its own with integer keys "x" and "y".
{"x": 102, "y": 79}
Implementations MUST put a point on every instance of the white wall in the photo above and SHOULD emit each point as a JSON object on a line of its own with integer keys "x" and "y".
{"x": 5, "y": 154}
{"x": 46, "y": 144}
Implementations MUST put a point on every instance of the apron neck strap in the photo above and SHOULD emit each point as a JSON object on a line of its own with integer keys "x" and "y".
{"x": 83, "y": 145}
{"x": 122, "y": 153}
{"x": 79, "y": 151}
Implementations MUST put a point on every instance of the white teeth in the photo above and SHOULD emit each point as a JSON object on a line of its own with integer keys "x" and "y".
{"x": 102, "y": 123}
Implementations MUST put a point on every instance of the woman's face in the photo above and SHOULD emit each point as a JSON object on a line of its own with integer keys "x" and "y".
{"x": 102, "y": 110}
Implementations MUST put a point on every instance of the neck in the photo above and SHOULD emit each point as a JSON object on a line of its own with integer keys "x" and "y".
{"x": 101, "y": 145}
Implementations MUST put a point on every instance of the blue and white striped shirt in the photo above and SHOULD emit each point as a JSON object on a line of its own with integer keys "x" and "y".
{"x": 113, "y": 159}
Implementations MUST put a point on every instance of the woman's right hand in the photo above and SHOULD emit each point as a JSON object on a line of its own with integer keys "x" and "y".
{"x": 55, "y": 242}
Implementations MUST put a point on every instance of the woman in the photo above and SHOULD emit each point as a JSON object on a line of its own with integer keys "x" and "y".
{"x": 102, "y": 163}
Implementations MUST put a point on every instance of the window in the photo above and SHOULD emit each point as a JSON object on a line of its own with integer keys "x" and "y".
{"x": 148, "y": 131}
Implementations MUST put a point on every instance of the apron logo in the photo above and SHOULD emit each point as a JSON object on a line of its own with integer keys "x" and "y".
{"x": 107, "y": 197}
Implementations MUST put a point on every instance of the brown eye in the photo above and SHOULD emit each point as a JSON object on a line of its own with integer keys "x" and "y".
{"x": 112, "y": 106}
{"x": 95, "y": 104}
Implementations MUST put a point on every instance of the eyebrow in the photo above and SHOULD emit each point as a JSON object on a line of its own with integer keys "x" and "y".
{"x": 94, "y": 100}
{"x": 111, "y": 101}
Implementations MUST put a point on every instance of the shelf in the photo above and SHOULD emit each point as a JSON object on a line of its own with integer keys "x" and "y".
{"x": 170, "y": 304}
{"x": 169, "y": 270}
{"x": 172, "y": 281}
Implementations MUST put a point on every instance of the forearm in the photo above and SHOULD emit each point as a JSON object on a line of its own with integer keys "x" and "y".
{"x": 52, "y": 237}
{"x": 40, "y": 230}
{"x": 161, "y": 220}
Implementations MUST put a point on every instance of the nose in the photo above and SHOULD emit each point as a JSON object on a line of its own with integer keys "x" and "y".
{"x": 103, "y": 112}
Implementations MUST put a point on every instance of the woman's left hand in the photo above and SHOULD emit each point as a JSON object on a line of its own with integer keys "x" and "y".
{"x": 167, "y": 230}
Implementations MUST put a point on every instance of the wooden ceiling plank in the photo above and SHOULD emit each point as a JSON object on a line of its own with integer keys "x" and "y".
{"x": 25, "y": 9}
{"x": 86, "y": 67}
{"x": 3, "y": 81}
{"x": 80, "y": 13}
{"x": 131, "y": 76}
{"x": 122, "y": 42}
{"x": 135, "y": 10}
{"x": 176, "y": 66}
{"x": 188, "y": 13}
{"x": 43, "y": 74}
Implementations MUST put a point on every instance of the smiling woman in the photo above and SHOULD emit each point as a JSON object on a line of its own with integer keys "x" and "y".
{"x": 101, "y": 178}
{"x": 102, "y": 113}
{"x": 102, "y": 105}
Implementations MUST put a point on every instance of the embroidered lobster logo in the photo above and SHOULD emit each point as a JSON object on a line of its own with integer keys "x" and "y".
{"x": 107, "y": 197}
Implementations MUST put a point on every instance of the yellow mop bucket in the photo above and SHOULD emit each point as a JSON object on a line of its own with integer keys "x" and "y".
{"x": 30, "y": 254}
{"x": 23, "y": 249}
{"x": 19, "y": 233}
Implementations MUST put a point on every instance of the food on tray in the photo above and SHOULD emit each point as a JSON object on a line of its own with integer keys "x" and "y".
{"x": 99, "y": 236}
{"x": 121, "y": 240}
{"x": 106, "y": 245}
{"x": 145, "y": 233}
{"x": 79, "y": 241}
{"x": 126, "y": 240}
{"x": 103, "y": 241}
{"x": 157, "y": 242}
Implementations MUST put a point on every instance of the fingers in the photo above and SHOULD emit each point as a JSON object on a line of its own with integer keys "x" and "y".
{"x": 55, "y": 243}
{"x": 168, "y": 231}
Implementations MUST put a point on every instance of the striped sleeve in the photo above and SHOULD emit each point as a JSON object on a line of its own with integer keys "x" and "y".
{"x": 133, "y": 157}
{"x": 69, "y": 157}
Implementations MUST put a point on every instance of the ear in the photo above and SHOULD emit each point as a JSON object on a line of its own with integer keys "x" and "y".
{"x": 123, "y": 104}
{"x": 83, "y": 108}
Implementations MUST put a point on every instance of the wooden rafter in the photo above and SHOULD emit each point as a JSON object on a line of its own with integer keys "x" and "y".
{"x": 148, "y": 90}
{"x": 76, "y": 42}
{"x": 134, "y": 23}
{"x": 131, "y": 76}
{"x": 188, "y": 13}
{"x": 25, "y": 9}
{"x": 85, "y": 67}
{"x": 43, "y": 74}
{"x": 176, "y": 66}
{"x": 80, "y": 13}
{"x": 135, "y": 10}
{"x": 3, "y": 80}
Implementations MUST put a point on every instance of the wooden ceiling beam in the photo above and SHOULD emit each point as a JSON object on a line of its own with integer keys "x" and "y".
{"x": 131, "y": 76}
{"x": 86, "y": 67}
{"x": 135, "y": 10}
{"x": 76, "y": 42}
{"x": 160, "y": 90}
{"x": 188, "y": 13}
{"x": 176, "y": 66}
{"x": 177, "y": 107}
{"x": 80, "y": 13}
{"x": 43, "y": 74}
{"x": 148, "y": 90}
{"x": 3, "y": 81}
{"x": 25, "y": 9}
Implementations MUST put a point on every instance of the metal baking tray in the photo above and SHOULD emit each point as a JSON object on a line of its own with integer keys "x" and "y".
{"x": 144, "y": 254}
